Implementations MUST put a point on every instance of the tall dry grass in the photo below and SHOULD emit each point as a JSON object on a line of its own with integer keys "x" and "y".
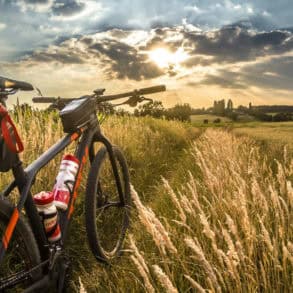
{"x": 215, "y": 216}
{"x": 231, "y": 230}
{"x": 151, "y": 148}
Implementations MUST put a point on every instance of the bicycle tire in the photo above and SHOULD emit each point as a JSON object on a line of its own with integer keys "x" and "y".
{"x": 22, "y": 253}
{"x": 96, "y": 233}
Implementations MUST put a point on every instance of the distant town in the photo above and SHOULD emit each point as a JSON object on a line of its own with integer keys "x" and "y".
{"x": 183, "y": 112}
{"x": 267, "y": 113}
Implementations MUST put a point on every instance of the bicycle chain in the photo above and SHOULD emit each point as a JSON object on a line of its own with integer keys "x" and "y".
{"x": 19, "y": 277}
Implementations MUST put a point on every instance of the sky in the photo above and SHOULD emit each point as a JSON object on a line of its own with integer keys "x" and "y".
{"x": 201, "y": 50}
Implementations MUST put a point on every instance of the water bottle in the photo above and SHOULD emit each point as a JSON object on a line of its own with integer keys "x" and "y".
{"x": 65, "y": 181}
{"x": 48, "y": 212}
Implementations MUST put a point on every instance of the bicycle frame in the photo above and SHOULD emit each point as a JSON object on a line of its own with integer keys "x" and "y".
{"x": 24, "y": 179}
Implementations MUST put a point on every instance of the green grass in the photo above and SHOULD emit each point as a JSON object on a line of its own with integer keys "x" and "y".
{"x": 198, "y": 120}
{"x": 232, "y": 178}
{"x": 276, "y": 134}
{"x": 153, "y": 148}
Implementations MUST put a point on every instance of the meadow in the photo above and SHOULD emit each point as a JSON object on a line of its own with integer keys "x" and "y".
{"x": 212, "y": 208}
{"x": 275, "y": 134}
{"x": 198, "y": 119}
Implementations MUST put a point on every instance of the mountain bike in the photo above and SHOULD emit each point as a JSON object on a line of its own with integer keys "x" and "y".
{"x": 27, "y": 260}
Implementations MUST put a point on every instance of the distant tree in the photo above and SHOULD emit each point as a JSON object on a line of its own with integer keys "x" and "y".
{"x": 154, "y": 109}
{"x": 180, "y": 112}
{"x": 283, "y": 117}
{"x": 261, "y": 116}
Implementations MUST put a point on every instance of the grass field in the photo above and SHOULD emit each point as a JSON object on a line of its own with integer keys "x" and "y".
{"x": 210, "y": 212}
{"x": 276, "y": 134}
{"x": 198, "y": 120}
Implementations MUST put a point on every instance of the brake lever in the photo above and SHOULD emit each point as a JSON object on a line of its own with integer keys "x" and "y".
{"x": 58, "y": 104}
{"x": 134, "y": 100}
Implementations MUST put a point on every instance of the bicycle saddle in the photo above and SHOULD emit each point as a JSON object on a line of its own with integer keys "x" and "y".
{"x": 6, "y": 83}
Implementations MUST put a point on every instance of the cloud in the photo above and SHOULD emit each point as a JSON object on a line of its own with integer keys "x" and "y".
{"x": 272, "y": 74}
{"x": 232, "y": 57}
{"x": 36, "y": 1}
{"x": 125, "y": 61}
{"x": 224, "y": 79}
{"x": 67, "y": 7}
{"x": 2, "y": 26}
{"x": 118, "y": 59}
{"x": 234, "y": 44}
{"x": 275, "y": 73}
{"x": 39, "y": 6}
{"x": 56, "y": 57}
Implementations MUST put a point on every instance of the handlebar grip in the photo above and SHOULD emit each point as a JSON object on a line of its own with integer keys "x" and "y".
{"x": 44, "y": 100}
{"x": 152, "y": 90}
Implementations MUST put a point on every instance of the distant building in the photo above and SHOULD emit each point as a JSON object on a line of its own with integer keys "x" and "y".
{"x": 219, "y": 107}
{"x": 230, "y": 105}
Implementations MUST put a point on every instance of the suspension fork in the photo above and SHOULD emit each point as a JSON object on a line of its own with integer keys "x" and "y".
{"x": 101, "y": 138}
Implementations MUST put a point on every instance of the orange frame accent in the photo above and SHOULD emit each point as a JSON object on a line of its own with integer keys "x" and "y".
{"x": 10, "y": 228}
{"x": 78, "y": 181}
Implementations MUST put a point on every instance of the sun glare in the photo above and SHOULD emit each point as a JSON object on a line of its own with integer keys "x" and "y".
{"x": 164, "y": 58}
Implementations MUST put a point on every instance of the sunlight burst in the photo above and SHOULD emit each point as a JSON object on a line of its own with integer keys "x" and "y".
{"x": 165, "y": 58}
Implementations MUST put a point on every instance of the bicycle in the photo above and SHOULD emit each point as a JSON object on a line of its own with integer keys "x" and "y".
{"x": 27, "y": 260}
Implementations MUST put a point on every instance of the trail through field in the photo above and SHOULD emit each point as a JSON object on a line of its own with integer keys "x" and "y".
{"x": 212, "y": 210}
{"x": 226, "y": 228}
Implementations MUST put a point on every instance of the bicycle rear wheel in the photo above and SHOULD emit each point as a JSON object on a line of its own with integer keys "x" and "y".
{"x": 107, "y": 218}
{"x": 22, "y": 254}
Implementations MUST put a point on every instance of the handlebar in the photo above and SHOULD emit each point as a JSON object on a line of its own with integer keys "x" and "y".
{"x": 47, "y": 100}
{"x": 136, "y": 94}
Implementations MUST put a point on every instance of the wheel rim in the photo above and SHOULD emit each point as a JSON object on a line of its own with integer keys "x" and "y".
{"x": 111, "y": 215}
{"x": 16, "y": 260}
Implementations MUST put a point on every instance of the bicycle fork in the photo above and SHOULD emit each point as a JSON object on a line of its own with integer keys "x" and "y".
{"x": 101, "y": 138}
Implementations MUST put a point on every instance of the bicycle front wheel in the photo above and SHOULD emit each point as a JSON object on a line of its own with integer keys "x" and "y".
{"x": 107, "y": 217}
{"x": 21, "y": 257}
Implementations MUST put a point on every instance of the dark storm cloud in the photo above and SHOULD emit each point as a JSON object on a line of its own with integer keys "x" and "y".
{"x": 224, "y": 79}
{"x": 57, "y": 57}
{"x": 36, "y": 1}
{"x": 274, "y": 74}
{"x": 226, "y": 46}
{"x": 233, "y": 44}
{"x": 67, "y": 8}
{"x": 125, "y": 61}
{"x": 118, "y": 59}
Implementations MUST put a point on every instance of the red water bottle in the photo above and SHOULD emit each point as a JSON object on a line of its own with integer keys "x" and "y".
{"x": 65, "y": 181}
{"x": 47, "y": 210}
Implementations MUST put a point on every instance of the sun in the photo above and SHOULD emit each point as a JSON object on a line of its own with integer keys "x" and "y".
{"x": 165, "y": 58}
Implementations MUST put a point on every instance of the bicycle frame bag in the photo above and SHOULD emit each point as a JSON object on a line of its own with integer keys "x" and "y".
{"x": 10, "y": 143}
{"x": 77, "y": 113}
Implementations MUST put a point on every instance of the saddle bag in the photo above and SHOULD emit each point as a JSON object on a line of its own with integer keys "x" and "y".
{"x": 77, "y": 113}
{"x": 10, "y": 143}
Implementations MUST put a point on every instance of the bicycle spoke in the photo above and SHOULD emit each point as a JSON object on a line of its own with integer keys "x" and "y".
{"x": 111, "y": 204}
